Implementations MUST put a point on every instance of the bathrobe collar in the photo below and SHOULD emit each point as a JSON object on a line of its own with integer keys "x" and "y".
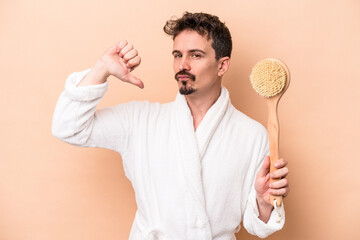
{"x": 193, "y": 147}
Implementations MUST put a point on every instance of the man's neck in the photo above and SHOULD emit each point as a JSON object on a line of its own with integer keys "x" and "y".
{"x": 200, "y": 104}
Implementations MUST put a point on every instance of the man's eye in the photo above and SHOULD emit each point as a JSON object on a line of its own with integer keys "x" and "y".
{"x": 196, "y": 55}
{"x": 177, "y": 56}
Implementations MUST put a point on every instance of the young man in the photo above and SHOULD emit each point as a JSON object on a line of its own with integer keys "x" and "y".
{"x": 198, "y": 166}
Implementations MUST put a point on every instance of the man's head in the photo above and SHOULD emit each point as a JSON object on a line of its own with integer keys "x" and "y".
{"x": 202, "y": 49}
{"x": 207, "y": 26}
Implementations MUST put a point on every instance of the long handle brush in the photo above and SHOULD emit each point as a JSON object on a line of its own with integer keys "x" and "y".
{"x": 270, "y": 78}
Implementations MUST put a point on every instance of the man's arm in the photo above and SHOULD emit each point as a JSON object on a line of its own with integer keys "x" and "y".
{"x": 260, "y": 218}
{"x": 76, "y": 120}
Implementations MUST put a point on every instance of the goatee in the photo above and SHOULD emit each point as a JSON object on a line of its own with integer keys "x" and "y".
{"x": 184, "y": 90}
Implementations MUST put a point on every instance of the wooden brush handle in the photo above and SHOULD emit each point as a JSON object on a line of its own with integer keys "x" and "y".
{"x": 273, "y": 130}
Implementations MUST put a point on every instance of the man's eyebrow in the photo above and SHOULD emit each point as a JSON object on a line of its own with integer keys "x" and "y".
{"x": 190, "y": 51}
{"x": 197, "y": 50}
{"x": 175, "y": 51}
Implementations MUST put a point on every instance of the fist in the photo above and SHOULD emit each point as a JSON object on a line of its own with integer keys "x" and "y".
{"x": 120, "y": 60}
{"x": 263, "y": 186}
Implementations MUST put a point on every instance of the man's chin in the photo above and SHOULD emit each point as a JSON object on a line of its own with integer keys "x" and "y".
{"x": 186, "y": 91}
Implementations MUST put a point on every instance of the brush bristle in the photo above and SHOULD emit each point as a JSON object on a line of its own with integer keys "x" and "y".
{"x": 268, "y": 77}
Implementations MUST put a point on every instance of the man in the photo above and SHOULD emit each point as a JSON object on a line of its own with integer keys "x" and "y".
{"x": 198, "y": 166}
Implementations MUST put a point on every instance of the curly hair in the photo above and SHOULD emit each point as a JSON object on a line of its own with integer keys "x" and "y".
{"x": 206, "y": 25}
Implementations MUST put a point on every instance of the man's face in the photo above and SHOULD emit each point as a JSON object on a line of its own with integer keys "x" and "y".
{"x": 194, "y": 63}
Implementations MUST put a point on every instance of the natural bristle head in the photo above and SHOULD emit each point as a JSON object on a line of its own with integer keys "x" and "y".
{"x": 268, "y": 77}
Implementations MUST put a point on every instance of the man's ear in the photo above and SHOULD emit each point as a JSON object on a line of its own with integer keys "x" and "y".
{"x": 224, "y": 63}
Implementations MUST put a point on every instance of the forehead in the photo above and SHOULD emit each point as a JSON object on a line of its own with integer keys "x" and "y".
{"x": 189, "y": 39}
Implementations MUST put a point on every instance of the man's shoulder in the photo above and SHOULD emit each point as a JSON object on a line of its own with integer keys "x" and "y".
{"x": 243, "y": 121}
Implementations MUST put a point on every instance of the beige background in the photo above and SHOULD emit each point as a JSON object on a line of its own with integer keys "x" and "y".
{"x": 51, "y": 190}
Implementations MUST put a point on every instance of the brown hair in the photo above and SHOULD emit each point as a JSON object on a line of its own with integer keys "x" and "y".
{"x": 206, "y": 25}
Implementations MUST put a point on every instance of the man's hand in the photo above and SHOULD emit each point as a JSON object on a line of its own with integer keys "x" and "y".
{"x": 119, "y": 60}
{"x": 264, "y": 188}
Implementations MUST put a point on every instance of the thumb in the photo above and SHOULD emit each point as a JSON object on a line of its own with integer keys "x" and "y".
{"x": 265, "y": 168}
{"x": 134, "y": 80}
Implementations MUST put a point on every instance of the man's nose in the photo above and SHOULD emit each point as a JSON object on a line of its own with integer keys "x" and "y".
{"x": 184, "y": 64}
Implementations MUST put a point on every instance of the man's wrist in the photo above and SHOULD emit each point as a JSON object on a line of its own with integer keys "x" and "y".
{"x": 101, "y": 70}
{"x": 264, "y": 208}
{"x": 97, "y": 75}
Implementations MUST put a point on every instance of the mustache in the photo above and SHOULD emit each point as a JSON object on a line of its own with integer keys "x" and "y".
{"x": 184, "y": 72}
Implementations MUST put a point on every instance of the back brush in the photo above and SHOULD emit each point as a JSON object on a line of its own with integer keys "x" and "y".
{"x": 270, "y": 78}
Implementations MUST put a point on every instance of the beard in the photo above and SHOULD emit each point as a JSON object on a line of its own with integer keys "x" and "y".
{"x": 184, "y": 89}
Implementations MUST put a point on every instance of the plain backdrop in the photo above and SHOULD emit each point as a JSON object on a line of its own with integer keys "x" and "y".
{"x": 52, "y": 190}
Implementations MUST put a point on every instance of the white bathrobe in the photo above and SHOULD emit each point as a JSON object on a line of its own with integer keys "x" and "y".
{"x": 189, "y": 185}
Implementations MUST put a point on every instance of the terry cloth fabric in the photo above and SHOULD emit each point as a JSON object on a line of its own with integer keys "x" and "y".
{"x": 188, "y": 184}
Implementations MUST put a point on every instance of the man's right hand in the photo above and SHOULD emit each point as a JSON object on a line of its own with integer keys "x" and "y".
{"x": 119, "y": 61}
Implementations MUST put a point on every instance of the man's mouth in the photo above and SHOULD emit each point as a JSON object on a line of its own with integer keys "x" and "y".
{"x": 184, "y": 76}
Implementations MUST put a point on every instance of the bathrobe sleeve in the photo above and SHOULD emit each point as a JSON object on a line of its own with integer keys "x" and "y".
{"x": 251, "y": 220}
{"x": 76, "y": 120}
